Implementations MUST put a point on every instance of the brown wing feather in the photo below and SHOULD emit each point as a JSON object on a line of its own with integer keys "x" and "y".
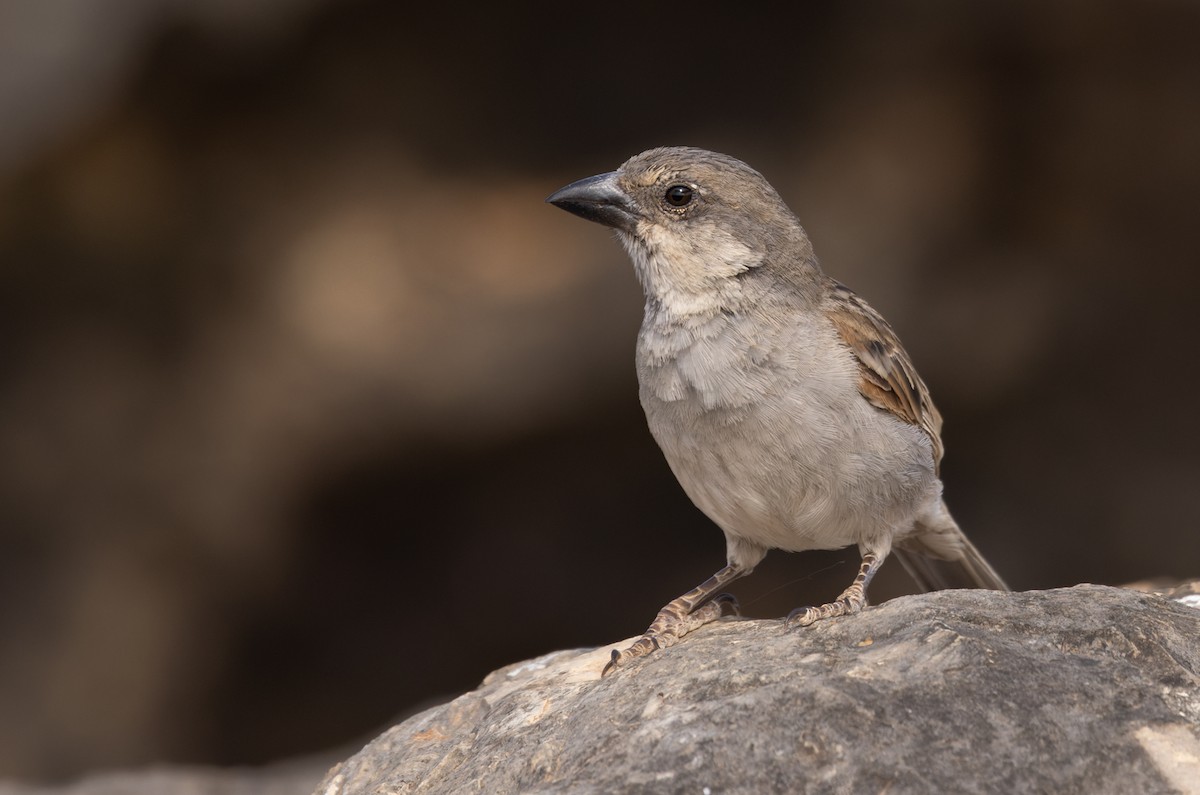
{"x": 889, "y": 380}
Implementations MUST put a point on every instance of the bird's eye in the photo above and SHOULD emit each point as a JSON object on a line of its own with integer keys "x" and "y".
{"x": 679, "y": 195}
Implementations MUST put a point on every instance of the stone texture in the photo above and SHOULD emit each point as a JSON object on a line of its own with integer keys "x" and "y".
{"x": 1085, "y": 689}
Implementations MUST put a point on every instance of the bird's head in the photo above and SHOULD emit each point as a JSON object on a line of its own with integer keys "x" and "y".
{"x": 694, "y": 222}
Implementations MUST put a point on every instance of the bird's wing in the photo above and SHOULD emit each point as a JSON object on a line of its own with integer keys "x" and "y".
{"x": 888, "y": 379}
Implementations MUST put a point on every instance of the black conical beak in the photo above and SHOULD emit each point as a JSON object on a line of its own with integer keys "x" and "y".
{"x": 598, "y": 199}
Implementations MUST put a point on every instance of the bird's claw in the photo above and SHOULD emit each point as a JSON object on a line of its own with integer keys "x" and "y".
{"x": 802, "y": 617}
{"x": 730, "y": 601}
{"x": 807, "y": 616}
{"x": 852, "y": 600}
{"x": 640, "y": 648}
{"x": 668, "y": 627}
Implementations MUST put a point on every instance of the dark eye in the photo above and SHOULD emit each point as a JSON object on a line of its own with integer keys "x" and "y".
{"x": 679, "y": 196}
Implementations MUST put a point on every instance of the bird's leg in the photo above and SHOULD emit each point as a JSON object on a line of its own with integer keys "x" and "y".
{"x": 852, "y": 600}
{"x": 680, "y": 616}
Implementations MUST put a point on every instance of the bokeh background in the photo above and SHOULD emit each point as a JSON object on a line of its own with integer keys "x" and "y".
{"x": 311, "y": 411}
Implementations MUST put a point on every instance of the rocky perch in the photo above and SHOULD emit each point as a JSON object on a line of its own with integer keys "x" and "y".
{"x": 1086, "y": 689}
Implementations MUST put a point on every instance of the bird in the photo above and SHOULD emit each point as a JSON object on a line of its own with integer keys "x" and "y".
{"x": 784, "y": 404}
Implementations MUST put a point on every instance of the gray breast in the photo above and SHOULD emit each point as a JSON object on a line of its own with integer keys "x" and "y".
{"x": 769, "y": 436}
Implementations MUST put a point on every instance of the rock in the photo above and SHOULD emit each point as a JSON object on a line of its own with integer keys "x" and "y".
{"x": 1086, "y": 689}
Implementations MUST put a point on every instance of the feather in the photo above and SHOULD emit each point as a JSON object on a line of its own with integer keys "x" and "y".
{"x": 888, "y": 379}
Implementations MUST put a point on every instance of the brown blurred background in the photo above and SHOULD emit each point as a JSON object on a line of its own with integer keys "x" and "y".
{"x": 311, "y": 410}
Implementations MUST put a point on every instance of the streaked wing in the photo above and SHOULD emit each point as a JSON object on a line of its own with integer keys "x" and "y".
{"x": 889, "y": 380}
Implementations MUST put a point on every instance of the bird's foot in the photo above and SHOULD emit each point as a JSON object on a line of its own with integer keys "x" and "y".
{"x": 672, "y": 623}
{"x": 843, "y": 605}
{"x": 852, "y": 600}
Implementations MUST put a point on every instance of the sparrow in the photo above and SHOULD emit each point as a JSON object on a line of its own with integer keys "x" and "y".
{"x": 784, "y": 404}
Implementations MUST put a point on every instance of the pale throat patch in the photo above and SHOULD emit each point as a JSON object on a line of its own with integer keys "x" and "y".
{"x": 689, "y": 272}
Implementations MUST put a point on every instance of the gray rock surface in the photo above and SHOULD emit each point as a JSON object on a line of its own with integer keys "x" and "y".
{"x": 1086, "y": 689}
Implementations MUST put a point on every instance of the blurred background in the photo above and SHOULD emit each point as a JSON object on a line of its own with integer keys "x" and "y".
{"x": 311, "y": 411}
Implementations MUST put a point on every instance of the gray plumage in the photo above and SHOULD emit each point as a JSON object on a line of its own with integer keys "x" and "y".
{"x": 784, "y": 404}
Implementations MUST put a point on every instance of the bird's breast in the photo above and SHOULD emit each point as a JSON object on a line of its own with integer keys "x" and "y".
{"x": 769, "y": 435}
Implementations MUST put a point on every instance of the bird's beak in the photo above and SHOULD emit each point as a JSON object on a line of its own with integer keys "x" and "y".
{"x": 598, "y": 199}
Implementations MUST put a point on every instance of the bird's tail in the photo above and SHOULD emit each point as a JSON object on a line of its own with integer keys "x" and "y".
{"x": 938, "y": 556}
